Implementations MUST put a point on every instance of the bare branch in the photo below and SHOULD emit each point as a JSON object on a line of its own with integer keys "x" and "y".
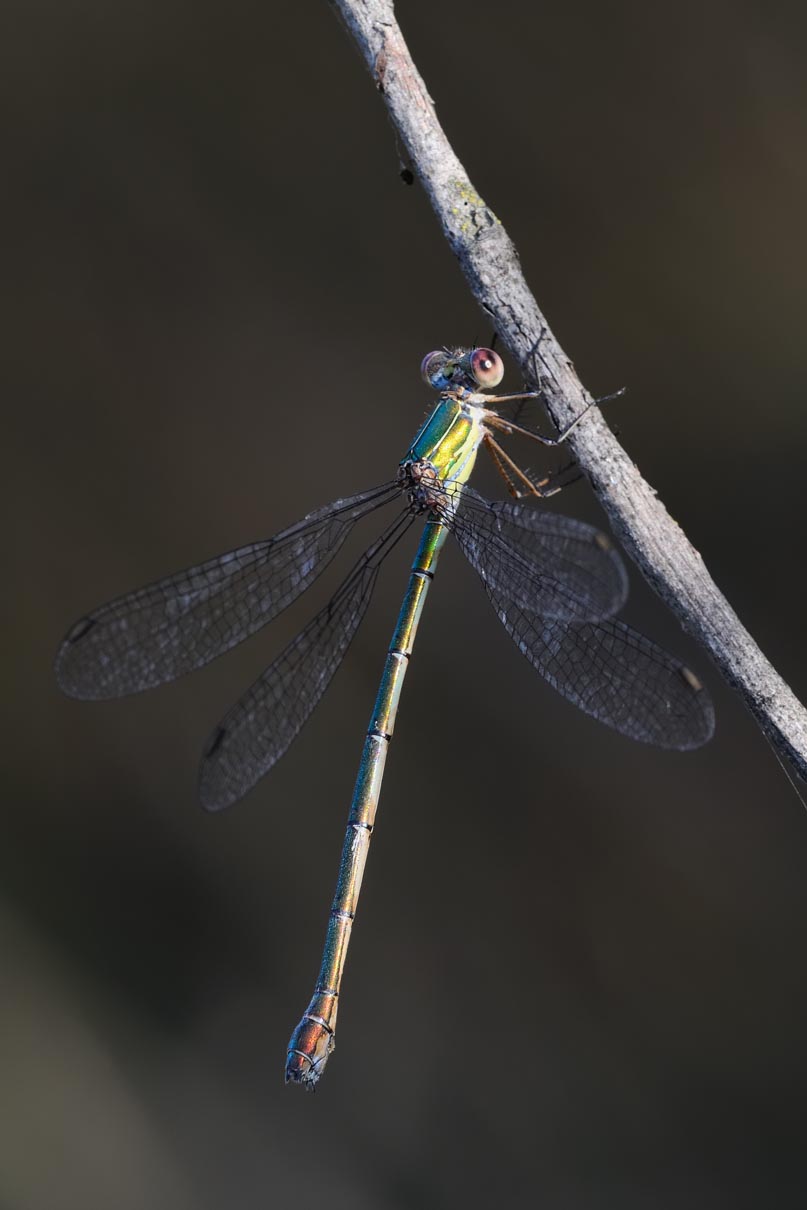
{"x": 490, "y": 264}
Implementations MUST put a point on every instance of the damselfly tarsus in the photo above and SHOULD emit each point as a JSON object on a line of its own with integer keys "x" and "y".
{"x": 555, "y": 584}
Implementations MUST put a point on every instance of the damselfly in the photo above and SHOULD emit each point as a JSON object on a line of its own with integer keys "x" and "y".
{"x": 555, "y": 584}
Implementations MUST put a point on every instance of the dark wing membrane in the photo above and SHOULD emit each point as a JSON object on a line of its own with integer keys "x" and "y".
{"x": 549, "y": 564}
{"x": 616, "y": 675}
{"x": 256, "y": 732}
{"x": 180, "y": 623}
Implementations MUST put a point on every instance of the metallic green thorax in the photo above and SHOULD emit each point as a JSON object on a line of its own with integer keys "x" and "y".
{"x": 448, "y": 442}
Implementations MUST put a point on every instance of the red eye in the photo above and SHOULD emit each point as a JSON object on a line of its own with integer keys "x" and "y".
{"x": 432, "y": 364}
{"x": 487, "y": 367}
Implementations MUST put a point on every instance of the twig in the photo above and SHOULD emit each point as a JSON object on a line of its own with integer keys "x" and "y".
{"x": 490, "y": 264}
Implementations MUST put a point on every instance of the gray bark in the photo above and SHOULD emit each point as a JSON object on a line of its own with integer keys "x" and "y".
{"x": 490, "y": 263}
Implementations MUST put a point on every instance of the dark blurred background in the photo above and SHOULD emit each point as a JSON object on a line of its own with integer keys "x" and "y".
{"x": 578, "y": 973}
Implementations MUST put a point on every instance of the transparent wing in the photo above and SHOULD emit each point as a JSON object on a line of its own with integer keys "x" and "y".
{"x": 256, "y": 732}
{"x": 549, "y": 564}
{"x": 615, "y": 674}
{"x": 180, "y": 623}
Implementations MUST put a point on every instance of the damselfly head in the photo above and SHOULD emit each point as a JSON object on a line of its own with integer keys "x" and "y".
{"x": 462, "y": 369}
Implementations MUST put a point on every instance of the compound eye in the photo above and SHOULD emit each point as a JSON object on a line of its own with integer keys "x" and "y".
{"x": 432, "y": 364}
{"x": 487, "y": 367}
